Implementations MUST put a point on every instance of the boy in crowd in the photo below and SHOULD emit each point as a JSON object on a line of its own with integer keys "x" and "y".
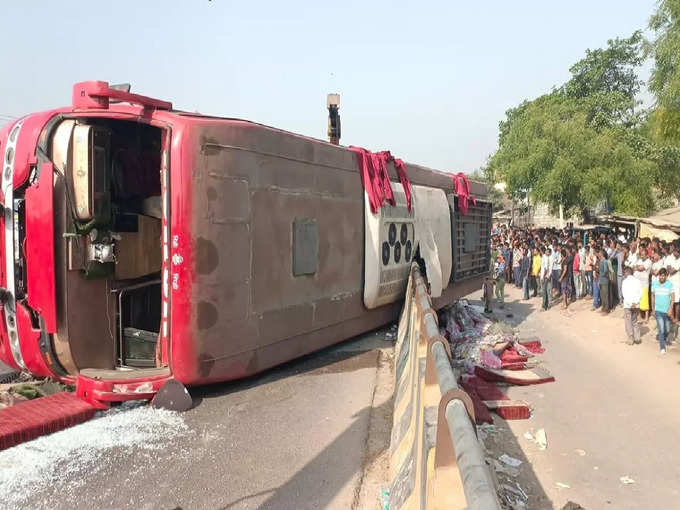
{"x": 662, "y": 300}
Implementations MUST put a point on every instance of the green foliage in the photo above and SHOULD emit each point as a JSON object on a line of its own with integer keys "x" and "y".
{"x": 585, "y": 143}
{"x": 608, "y": 70}
{"x": 665, "y": 79}
{"x": 493, "y": 195}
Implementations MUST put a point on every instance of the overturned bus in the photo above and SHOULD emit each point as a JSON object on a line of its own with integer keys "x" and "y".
{"x": 141, "y": 244}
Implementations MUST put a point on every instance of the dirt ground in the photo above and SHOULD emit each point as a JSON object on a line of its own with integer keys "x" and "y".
{"x": 611, "y": 417}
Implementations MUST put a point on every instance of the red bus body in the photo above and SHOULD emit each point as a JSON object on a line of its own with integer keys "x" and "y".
{"x": 232, "y": 196}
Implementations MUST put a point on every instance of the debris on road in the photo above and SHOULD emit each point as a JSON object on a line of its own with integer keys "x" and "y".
{"x": 528, "y": 436}
{"x": 626, "y": 480}
{"x": 26, "y": 388}
{"x": 385, "y": 498}
{"x": 510, "y": 461}
{"x": 485, "y": 429}
{"x": 515, "y": 497}
{"x": 541, "y": 439}
{"x": 29, "y": 468}
{"x": 489, "y": 354}
{"x": 507, "y": 470}
{"x": 8, "y": 399}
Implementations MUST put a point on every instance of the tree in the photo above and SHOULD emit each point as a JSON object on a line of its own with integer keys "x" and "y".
{"x": 492, "y": 194}
{"x": 664, "y": 82}
{"x": 573, "y": 147}
{"x": 608, "y": 70}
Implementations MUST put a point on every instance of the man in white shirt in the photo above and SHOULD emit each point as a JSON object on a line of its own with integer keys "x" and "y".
{"x": 546, "y": 278}
{"x": 631, "y": 260}
{"x": 632, "y": 292}
{"x": 556, "y": 259}
{"x": 673, "y": 267}
{"x": 657, "y": 263}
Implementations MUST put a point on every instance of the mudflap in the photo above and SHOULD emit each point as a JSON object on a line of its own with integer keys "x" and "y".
{"x": 174, "y": 396}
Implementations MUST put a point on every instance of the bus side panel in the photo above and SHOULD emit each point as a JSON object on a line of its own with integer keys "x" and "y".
{"x": 253, "y": 188}
{"x": 278, "y": 245}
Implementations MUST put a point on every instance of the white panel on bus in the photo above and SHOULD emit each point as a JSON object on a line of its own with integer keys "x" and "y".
{"x": 433, "y": 233}
{"x": 389, "y": 248}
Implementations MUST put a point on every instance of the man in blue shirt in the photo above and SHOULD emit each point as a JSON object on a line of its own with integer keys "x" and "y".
{"x": 662, "y": 298}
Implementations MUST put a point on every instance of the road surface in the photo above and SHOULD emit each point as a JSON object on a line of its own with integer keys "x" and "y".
{"x": 613, "y": 412}
{"x": 310, "y": 434}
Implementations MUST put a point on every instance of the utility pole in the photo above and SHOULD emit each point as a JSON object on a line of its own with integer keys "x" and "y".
{"x": 333, "y": 104}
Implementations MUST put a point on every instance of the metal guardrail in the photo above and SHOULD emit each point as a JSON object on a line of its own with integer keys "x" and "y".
{"x": 436, "y": 461}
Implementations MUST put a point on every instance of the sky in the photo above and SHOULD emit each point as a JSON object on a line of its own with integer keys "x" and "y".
{"x": 428, "y": 80}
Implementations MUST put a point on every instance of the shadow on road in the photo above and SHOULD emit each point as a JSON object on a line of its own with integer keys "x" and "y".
{"x": 504, "y": 441}
{"x": 342, "y": 357}
{"x": 325, "y": 475}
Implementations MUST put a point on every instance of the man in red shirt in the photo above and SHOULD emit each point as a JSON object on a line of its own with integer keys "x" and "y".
{"x": 578, "y": 283}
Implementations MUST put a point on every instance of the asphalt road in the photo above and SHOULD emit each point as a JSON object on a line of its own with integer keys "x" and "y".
{"x": 612, "y": 412}
{"x": 294, "y": 437}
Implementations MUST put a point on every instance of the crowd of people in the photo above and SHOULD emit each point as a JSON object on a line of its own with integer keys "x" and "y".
{"x": 641, "y": 275}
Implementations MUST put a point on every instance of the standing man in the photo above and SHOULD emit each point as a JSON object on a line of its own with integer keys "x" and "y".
{"x": 643, "y": 266}
{"x": 566, "y": 277}
{"x": 556, "y": 267}
{"x": 603, "y": 271}
{"x": 536, "y": 271}
{"x": 596, "y": 278}
{"x": 576, "y": 269}
{"x": 516, "y": 262}
{"x": 589, "y": 266}
{"x": 582, "y": 269}
{"x": 507, "y": 259}
{"x": 495, "y": 250}
{"x": 525, "y": 271}
{"x": 658, "y": 263}
{"x": 631, "y": 292}
{"x": 632, "y": 253}
{"x": 623, "y": 259}
{"x": 546, "y": 278}
{"x": 499, "y": 275}
{"x": 673, "y": 268}
{"x": 662, "y": 299}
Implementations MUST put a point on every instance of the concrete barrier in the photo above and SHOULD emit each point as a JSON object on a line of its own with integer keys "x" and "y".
{"x": 436, "y": 461}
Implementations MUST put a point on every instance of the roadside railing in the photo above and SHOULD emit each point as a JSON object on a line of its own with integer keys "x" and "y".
{"x": 436, "y": 461}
